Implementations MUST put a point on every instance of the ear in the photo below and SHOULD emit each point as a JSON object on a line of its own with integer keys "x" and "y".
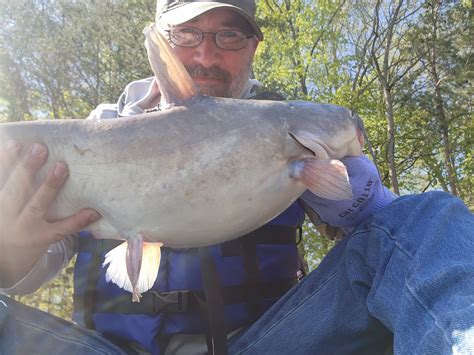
{"x": 252, "y": 48}
{"x": 255, "y": 43}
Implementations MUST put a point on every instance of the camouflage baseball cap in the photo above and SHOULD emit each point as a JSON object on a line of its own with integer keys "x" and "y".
{"x": 176, "y": 12}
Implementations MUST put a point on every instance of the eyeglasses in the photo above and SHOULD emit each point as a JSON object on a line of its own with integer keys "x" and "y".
{"x": 192, "y": 37}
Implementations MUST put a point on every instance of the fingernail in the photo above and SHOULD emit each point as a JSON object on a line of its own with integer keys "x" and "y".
{"x": 37, "y": 150}
{"x": 94, "y": 216}
{"x": 60, "y": 170}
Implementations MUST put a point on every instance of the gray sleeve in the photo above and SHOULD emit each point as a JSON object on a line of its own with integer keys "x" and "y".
{"x": 138, "y": 96}
{"x": 104, "y": 111}
{"x": 46, "y": 268}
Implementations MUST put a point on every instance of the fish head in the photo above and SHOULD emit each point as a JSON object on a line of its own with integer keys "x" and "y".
{"x": 329, "y": 131}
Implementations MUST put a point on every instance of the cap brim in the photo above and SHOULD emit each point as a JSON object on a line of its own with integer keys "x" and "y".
{"x": 187, "y": 11}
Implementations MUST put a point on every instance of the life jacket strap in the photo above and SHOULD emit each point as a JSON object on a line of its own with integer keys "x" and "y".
{"x": 184, "y": 301}
{"x": 217, "y": 328}
{"x": 90, "y": 294}
{"x": 252, "y": 275}
{"x": 267, "y": 234}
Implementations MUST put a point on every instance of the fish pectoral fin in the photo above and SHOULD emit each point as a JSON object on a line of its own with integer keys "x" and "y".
{"x": 133, "y": 266}
{"x": 150, "y": 265}
{"x": 326, "y": 178}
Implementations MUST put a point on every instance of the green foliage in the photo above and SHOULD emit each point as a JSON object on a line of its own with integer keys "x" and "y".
{"x": 296, "y": 56}
{"x": 60, "y": 59}
{"x": 316, "y": 246}
{"x": 55, "y": 297}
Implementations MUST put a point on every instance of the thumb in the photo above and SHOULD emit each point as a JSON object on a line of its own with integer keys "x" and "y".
{"x": 74, "y": 223}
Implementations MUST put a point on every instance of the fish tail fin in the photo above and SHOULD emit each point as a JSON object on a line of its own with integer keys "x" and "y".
{"x": 325, "y": 178}
{"x": 133, "y": 266}
{"x": 175, "y": 83}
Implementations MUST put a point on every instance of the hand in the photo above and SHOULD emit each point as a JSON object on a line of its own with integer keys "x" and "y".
{"x": 25, "y": 234}
{"x": 369, "y": 195}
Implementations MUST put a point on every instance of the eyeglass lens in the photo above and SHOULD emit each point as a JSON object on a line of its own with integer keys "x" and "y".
{"x": 225, "y": 39}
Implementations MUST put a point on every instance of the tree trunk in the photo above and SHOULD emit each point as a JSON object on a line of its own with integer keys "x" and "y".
{"x": 439, "y": 104}
{"x": 387, "y": 81}
{"x": 447, "y": 150}
{"x": 391, "y": 138}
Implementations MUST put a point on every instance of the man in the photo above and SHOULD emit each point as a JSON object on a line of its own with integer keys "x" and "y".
{"x": 407, "y": 268}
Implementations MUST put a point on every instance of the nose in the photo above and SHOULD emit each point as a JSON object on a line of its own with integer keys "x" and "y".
{"x": 207, "y": 53}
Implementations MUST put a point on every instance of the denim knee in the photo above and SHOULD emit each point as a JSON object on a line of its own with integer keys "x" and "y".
{"x": 7, "y": 328}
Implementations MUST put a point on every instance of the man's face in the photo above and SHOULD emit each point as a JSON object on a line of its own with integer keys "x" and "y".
{"x": 216, "y": 71}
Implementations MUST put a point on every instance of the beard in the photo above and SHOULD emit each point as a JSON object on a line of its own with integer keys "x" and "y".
{"x": 226, "y": 85}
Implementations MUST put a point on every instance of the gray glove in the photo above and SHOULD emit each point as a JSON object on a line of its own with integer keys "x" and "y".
{"x": 369, "y": 195}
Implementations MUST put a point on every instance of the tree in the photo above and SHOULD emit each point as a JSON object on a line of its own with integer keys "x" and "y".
{"x": 70, "y": 56}
{"x": 391, "y": 63}
{"x": 442, "y": 45}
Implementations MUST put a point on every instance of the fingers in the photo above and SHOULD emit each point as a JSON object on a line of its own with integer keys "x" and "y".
{"x": 9, "y": 155}
{"x": 20, "y": 184}
{"x": 37, "y": 208}
{"x": 39, "y": 203}
{"x": 73, "y": 224}
{"x": 25, "y": 201}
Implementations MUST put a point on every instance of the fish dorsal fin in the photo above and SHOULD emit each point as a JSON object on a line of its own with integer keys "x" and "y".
{"x": 176, "y": 85}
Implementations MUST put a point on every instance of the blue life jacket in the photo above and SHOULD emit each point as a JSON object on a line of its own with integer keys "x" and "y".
{"x": 246, "y": 276}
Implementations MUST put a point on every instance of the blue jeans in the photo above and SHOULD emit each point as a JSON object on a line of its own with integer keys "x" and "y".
{"x": 408, "y": 271}
{"x": 26, "y": 330}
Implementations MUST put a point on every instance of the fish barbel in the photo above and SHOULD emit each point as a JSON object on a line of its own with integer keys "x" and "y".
{"x": 201, "y": 171}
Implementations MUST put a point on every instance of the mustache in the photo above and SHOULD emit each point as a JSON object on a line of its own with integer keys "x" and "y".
{"x": 214, "y": 72}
